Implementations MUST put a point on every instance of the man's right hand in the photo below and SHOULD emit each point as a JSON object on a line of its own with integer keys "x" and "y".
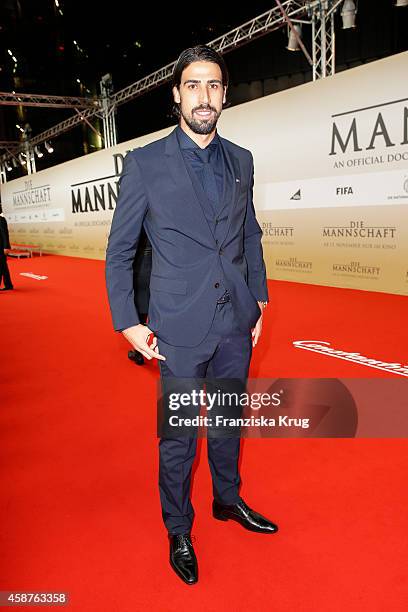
{"x": 138, "y": 335}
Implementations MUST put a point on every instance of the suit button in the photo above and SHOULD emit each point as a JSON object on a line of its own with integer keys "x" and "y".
{"x": 216, "y": 285}
{"x": 216, "y": 242}
{"x": 221, "y": 251}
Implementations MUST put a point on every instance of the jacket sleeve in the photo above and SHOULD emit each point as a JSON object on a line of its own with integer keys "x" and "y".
{"x": 123, "y": 240}
{"x": 253, "y": 247}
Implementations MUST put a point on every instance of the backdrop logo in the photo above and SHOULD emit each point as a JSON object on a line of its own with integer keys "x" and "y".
{"x": 344, "y": 140}
{"x": 344, "y": 191}
{"x": 374, "y": 129}
{"x": 100, "y": 193}
{"x": 31, "y": 196}
{"x": 355, "y": 268}
{"x": 277, "y": 231}
{"x": 357, "y": 229}
{"x": 294, "y": 264}
{"x": 297, "y": 195}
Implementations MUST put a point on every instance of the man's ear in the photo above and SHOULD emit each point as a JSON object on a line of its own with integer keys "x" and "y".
{"x": 176, "y": 95}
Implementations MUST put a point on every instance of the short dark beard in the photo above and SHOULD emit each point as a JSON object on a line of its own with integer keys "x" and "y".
{"x": 205, "y": 126}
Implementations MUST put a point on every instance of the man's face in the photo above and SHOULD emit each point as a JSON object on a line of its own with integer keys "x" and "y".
{"x": 201, "y": 95}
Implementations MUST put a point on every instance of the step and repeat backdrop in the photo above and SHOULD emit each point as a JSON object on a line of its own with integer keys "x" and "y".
{"x": 331, "y": 183}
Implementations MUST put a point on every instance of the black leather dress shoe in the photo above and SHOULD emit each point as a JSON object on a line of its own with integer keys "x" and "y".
{"x": 241, "y": 513}
{"x": 136, "y": 357}
{"x": 6, "y": 288}
{"x": 183, "y": 559}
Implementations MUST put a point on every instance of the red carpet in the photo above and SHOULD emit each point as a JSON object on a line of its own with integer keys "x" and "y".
{"x": 80, "y": 509}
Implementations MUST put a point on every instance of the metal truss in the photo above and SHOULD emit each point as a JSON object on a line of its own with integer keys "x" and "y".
{"x": 323, "y": 37}
{"x": 9, "y": 143}
{"x": 23, "y": 99}
{"x": 259, "y": 26}
{"x": 319, "y": 12}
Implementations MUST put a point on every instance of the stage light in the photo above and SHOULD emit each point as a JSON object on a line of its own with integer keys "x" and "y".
{"x": 293, "y": 43}
{"x": 38, "y": 151}
{"x": 8, "y": 167}
{"x": 401, "y": 3}
{"x": 348, "y": 14}
{"x": 49, "y": 147}
{"x": 21, "y": 159}
{"x": 14, "y": 162}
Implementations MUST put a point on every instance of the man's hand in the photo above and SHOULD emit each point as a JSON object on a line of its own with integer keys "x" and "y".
{"x": 138, "y": 335}
{"x": 257, "y": 330}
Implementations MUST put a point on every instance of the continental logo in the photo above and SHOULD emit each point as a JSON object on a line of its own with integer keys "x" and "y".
{"x": 324, "y": 348}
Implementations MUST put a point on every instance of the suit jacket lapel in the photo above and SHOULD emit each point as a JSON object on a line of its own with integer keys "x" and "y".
{"x": 179, "y": 172}
{"x": 232, "y": 174}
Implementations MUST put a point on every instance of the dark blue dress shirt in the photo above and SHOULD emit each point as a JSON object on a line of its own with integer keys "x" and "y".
{"x": 189, "y": 150}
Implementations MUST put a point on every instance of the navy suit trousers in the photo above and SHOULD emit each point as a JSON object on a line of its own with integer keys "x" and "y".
{"x": 224, "y": 353}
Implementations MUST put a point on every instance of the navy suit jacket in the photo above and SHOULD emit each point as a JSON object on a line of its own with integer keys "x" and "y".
{"x": 157, "y": 193}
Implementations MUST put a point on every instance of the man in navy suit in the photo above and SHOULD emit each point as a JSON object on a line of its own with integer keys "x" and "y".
{"x": 192, "y": 193}
{"x": 4, "y": 245}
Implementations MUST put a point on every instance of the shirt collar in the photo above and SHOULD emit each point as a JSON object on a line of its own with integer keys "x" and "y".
{"x": 188, "y": 143}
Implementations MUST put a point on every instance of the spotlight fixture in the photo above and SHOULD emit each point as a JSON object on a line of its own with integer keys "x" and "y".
{"x": 348, "y": 14}
{"x": 38, "y": 151}
{"x": 21, "y": 159}
{"x": 8, "y": 167}
{"x": 293, "y": 43}
{"x": 49, "y": 147}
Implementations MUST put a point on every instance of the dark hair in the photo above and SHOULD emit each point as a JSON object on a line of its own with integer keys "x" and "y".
{"x": 200, "y": 53}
